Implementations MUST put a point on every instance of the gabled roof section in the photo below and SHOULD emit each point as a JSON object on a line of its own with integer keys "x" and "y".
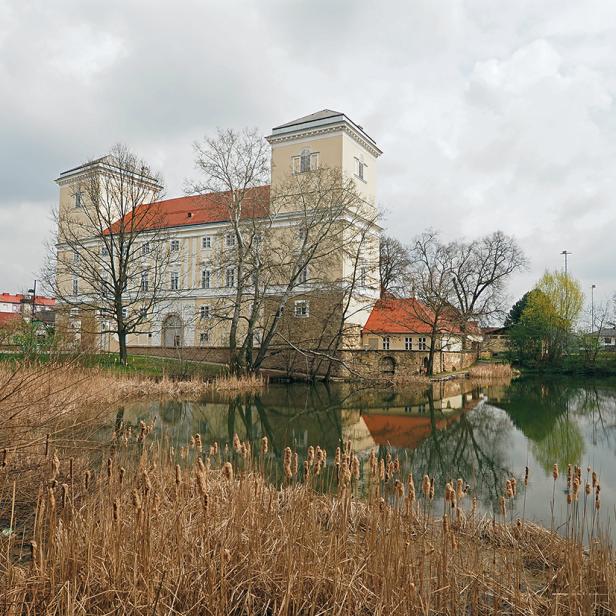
{"x": 196, "y": 210}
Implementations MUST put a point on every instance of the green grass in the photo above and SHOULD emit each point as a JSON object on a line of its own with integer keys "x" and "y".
{"x": 154, "y": 367}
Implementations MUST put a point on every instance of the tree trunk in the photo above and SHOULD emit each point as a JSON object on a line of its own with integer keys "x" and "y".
{"x": 123, "y": 349}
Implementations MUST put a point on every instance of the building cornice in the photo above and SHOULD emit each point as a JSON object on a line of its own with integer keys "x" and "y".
{"x": 340, "y": 126}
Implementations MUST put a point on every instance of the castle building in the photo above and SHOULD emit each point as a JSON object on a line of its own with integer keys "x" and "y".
{"x": 199, "y": 235}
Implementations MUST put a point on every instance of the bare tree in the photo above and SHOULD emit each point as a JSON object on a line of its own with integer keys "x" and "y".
{"x": 112, "y": 256}
{"x": 480, "y": 270}
{"x": 287, "y": 241}
{"x": 394, "y": 265}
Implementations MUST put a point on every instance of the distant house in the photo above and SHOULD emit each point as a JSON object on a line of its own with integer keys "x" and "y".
{"x": 18, "y": 303}
{"x": 495, "y": 340}
{"x": 607, "y": 338}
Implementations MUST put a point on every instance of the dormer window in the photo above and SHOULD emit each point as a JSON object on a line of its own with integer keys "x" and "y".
{"x": 306, "y": 161}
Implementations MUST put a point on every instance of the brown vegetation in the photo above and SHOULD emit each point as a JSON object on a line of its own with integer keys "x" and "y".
{"x": 491, "y": 371}
{"x": 202, "y": 531}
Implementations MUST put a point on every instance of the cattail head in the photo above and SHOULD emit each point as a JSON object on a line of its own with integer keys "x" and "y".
{"x": 425, "y": 486}
{"x": 501, "y": 505}
{"x": 264, "y": 446}
{"x": 446, "y": 523}
{"x": 396, "y": 465}
{"x": 86, "y": 479}
{"x": 295, "y": 465}
{"x": 587, "y": 489}
{"x": 4, "y": 458}
{"x": 64, "y": 495}
{"x": 147, "y": 484}
{"x": 399, "y": 489}
{"x": 116, "y": 510}
{"x": 198, "y": 442}
{"x": 178, "y": 475}
{"x": 227, "y": 471}
{"x": 432, "y": 489}
{"x": 526, "y": 476}
{"x": 508, "y": 489}
{"x": 55, "y": 465}
{"x": 306, "y": 470}
{"x": 287, "y": 456}
{"x": 337, "y": 457}
{"x": 136, "y": 500}
{"x": 514, "y": 485}
{"x": 460, "y": 489}
{"x": 594, "y": 479}
{"x": 201, "y": 465}
{"x": 355, "y": 468}
{"x": 555, "y": 472}
{"x": 109, "y": 468}
{"x": 310, "y": 456}
{"x": 236, "y": 442}
{"x": 597, "y": 502}
{"x": 382, "y": 469}
{"x": 121, "y": 474}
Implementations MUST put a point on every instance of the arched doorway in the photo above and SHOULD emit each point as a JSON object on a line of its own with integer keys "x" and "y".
{"x": 173, "y": 331}
{"x": 387, "y": 366}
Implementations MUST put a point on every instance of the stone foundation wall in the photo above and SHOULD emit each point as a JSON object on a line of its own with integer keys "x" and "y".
{"x": 354, "y": 363}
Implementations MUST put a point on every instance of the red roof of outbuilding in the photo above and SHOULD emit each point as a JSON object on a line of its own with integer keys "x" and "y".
{"x": 6, "y": 317}
{"x": 196, "y": 210}
{"x": 410, "y": 316}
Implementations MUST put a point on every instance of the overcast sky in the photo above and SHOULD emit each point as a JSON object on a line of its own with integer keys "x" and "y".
{"x": 491, "y": 114}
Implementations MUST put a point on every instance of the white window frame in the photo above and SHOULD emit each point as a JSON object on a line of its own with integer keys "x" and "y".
{"x": 229, "y": 240}
{"x": 305, "y": 162}
{"x": 204, "y": 338}
{"x": 144, "y": 281}
{"x": 206, "y": 241}
{"x": 204, "y": 311}
{"x": 175, "y": 281}
{"x": 422, "y": 344}
{"x": 206, "y": 278}
{"x": 230, "y": 278}
{"x": 145, "y": 248}
{"x": 174, "y": 245}
{"x": 302, "y": 308}
{"x": 408, "y": 343}
{"x": 75, "y": 287}
{"x": 385, "y": 342}
{"x": 360, "y": 169}
{"x": 78, "y": 200}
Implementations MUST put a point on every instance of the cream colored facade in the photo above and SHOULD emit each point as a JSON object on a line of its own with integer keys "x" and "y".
{"x": 323, "y": 140}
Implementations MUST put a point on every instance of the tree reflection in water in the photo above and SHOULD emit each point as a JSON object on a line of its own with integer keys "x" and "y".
{"x": 481, "y": 433}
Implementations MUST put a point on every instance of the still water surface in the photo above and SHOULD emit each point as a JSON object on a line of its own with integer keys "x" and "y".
{"x": 482, "y": 433}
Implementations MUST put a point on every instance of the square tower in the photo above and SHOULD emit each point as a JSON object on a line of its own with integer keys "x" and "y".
{"x": 325, "y": 139}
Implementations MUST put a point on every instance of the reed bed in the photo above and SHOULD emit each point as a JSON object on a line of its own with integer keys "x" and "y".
{"x": 201, "y": 530}
{"x": 491, "y": 371}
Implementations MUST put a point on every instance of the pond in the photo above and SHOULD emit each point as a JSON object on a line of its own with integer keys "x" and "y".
{"x": 483, "y": 433}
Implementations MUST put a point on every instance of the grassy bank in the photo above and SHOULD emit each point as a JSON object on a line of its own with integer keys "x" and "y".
{"x": 152, "y": 367}
{"x": 201, "y": 531}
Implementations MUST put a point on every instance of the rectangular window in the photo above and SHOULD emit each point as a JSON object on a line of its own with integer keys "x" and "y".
{"x": 303, "y": 276}
{"x": 145, "y": 248}
{"x": 104, "y": 251}
{"x": 206, "y": 241}
{"x": 204, "y": 338}
{"x": 385, "y": 343}
{"x": 75, "y": 285}
{"x": 175, "y": 281}
{"x": 363, "y": 276}
{"x": 229, "y": 240}
{"x": 78, "y": 200}
{"x": 230, "y": 277}
{"x": 306, "y": 161}
{"x": 421, "y": 343}
{"x": 408, "y": 343}
{"x": 75, "y": 257}
{"x": 144, "y": 281}
{"x": 175, "y": 245}
{"x": 302, "y": 308}
{"x": 204, "y": 312}
{"x": 205, "y": 279}
{"x": 360, "y": 169}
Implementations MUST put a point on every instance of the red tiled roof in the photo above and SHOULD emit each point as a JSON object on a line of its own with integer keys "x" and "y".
{"x": 410, "y": 316}
{"x": 196, "y": 210}
{"x": 18, "y": 298}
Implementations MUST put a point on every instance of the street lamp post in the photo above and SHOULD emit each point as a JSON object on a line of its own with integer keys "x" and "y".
{"x": 565, "y": 253}
{"x": 33, "y": 293}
